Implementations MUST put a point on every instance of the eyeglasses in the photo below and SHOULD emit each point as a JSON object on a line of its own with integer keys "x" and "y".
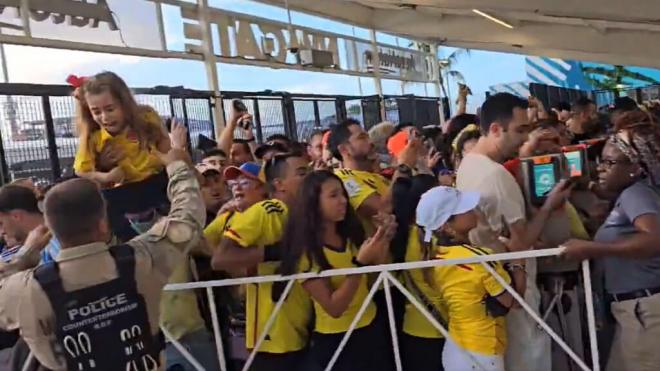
{"x": 610, "y": 163}
{"x": 243, "y": 183}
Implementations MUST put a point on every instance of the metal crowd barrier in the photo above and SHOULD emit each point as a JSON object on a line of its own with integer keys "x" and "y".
{"x": 386, "y": 279}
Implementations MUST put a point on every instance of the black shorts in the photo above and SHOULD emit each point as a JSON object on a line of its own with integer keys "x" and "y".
{"x": 421, "y": 354}
{"x": 291, "y": 361}
{"x": 361, "y": 353}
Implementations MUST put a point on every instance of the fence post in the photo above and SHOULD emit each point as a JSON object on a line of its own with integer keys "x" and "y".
{"x": 317, "y": 116}
{"x": 4, "y": 167}
{"x": 211, "y": 108}
{"x": 340, "y": 108}
{"x": 289, "y": 115}
{"x": 257, "y": 120}
{"x": 50, "y": 136}
{"x": 186, "y": 123}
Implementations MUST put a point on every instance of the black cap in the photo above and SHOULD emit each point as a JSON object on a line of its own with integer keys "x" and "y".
{"x": 275, "y": 146}
{"x": 204, "y": 143}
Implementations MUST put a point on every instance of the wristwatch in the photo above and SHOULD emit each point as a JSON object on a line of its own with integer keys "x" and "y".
{"x": 404, "y": 170}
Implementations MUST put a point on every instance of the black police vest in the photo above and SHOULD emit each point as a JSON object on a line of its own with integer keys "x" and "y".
{"x": 103, "y": 327}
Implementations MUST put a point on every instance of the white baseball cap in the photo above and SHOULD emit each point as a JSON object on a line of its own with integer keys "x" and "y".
{"x": 438, "y": 204}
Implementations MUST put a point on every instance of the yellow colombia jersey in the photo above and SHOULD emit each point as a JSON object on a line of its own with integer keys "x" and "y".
{"x": 138, "y": 163}
{"x": 262, "y": 225}
{"x": 214, "y": 231}
{"x": 325, "y": 323}
{"x": 359, "y": 186}
{"x": 463, "y": 288}
{"x": 414, "y": 322}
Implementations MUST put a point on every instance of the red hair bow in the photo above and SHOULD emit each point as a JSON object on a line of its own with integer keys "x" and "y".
{"x": 76, "y": 81}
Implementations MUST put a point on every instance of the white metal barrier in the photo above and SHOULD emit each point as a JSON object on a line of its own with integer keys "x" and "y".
{"x": 386, "y": 279}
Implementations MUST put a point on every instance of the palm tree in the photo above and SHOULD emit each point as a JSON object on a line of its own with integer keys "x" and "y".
{"x": 446, "y": 66}
{"x": 613, "y": 79}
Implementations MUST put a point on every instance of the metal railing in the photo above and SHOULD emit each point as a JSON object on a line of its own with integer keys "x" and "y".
{"x": 387, "y": 280}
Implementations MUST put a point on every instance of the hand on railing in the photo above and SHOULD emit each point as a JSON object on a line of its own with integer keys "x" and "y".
{"x": 575, "y": 249}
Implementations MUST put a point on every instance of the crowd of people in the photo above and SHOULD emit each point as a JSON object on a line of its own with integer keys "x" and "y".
{"x": 84, "y": 262}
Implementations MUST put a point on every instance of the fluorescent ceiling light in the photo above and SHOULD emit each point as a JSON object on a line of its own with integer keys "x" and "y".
{"x": 490, "y": 17}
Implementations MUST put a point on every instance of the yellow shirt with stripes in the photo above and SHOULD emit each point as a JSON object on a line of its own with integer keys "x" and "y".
{"x": 138, "y": 161}
{"x": 359, "y": 186}
{"x": 262, "y": 225}
{"x": 214, "y": 231}
{"x": 325, "y": 323}
{"x": 463, "y": 288}
{"x": 414, "y": 322}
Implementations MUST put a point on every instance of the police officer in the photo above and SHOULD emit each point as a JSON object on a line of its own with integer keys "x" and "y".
{"x": 97, "y": 306}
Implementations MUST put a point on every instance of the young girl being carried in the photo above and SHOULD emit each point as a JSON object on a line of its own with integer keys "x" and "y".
{"x": 111, "y": 125}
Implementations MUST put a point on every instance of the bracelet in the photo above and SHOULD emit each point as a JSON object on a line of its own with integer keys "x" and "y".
{"x": 251, "y": 140}
{"x": 357, "y": 263}
{"x": 512, "y": 267}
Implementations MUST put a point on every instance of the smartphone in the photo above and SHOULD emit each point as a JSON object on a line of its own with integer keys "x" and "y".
{"x": 239, "y": 106}
{"x": 575, "y": 165}
{"x": 168, "y": 125}
{"x": 544, "y": 179}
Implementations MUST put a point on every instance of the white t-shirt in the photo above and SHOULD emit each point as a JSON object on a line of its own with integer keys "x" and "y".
{"x": 501, "y": 202}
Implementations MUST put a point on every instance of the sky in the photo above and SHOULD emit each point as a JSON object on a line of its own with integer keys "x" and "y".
{"x": 51, "y": 66}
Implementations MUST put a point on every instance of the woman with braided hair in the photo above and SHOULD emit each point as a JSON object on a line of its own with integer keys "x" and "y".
{"x": 627, "y": 245}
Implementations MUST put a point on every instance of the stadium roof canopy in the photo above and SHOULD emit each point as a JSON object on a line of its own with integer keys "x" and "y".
{"x": 608, "y": 31}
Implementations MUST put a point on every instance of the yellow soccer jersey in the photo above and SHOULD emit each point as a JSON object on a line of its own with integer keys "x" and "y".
{"x": 463, "y": 288}
{"x": 262, "y": 225}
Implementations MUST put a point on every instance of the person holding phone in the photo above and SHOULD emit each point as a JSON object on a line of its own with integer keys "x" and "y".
{"x": 505, "y": 127}
{"x": 240, "y": 150}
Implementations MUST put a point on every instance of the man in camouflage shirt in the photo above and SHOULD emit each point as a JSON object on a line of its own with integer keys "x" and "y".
{"x": 74, "y": 215}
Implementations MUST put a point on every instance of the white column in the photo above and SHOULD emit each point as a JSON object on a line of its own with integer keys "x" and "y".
{"x": 376, "y": 66}
{"x": 211, "y": 66}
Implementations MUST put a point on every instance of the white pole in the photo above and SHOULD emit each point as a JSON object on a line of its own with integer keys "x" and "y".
{"x": 358, "y": 315}
{"x": 269, "y": 324}
{"x": 25, "y": 17}
{"x": 591, "y": 317}
{"x": 390, "y": 316}
{"x": 184, "y": 352}
{"x": 375, "y": 60}
{"x": 211, "y": 66}
{"x": 219, "y": 346}
{"x": 357, "y": 61}
{"x": 161, "y": 26}
{"x": 536, "y": 317}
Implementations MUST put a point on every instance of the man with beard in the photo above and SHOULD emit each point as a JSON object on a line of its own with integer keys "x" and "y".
{"x": 369, "y": 192}
{"x": 504, "y": 128}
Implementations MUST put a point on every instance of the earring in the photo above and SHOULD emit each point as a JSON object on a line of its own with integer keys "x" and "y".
{"x": 632, "y": 175}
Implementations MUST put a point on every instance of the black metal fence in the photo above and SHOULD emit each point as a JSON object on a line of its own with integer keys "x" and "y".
{"x": 38, "y": 137}
{"x": 640, "y": 95}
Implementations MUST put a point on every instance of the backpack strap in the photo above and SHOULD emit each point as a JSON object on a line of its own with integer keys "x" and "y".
{"x": 124, "y": 256}
{"x": 48, "y": 277}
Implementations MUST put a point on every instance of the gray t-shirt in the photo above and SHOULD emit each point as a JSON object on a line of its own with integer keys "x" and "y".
{"x": 626, "y": 275}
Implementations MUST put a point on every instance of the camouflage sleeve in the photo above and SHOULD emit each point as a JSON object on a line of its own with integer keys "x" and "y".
{"x": 167, "y": 242}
